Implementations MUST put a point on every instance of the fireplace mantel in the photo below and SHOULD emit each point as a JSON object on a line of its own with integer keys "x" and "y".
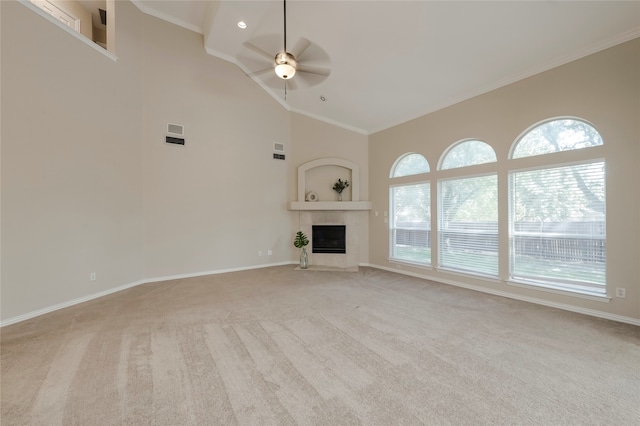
{"x": 330, "y": 205}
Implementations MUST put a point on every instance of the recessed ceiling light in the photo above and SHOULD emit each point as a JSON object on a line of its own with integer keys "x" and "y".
{"x": 242, "y": 25}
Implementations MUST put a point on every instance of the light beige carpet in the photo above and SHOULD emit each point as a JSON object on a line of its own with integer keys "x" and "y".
{"x": 277, "y": 346}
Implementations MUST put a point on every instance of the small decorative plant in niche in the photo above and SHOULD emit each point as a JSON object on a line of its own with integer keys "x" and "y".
{"x": 301, "y": 242}
{"x": 340, "y": 186}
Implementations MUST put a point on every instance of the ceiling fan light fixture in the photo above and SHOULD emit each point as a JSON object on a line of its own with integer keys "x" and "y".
{"x": 285, "y": 65}
{"x": 285, "y": 71}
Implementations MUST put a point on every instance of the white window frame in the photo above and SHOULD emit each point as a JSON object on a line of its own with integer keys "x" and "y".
{"x": 589, "y": 289}
{"x": 466, "y": 271}
{"x": 393, "y": 228}
{"x": 551, "y": 160}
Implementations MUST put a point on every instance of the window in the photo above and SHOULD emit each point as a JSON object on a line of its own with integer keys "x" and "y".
{"x": 468, "y": 225}
{"x": 410, "y": 207}
{"x": 410, "y": 164}
{"x": 468, "y": 212}
{"x": 557, "y": 229}
{"x": 468, "y": 153}
{"x": 411, "y": 223}
{"x": 557, "y": 135}
{"x": 556, "y": 220}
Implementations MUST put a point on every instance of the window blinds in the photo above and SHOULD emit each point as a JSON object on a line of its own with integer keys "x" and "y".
{"x": 411, "y": 223}
{"x": 468, "y": 225}
{"x": 558, "y": 228}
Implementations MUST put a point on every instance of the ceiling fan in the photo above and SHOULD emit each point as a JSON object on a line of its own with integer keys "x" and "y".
{"x": 298, "y": 61}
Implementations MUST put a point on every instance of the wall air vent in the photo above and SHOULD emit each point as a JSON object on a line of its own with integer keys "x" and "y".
{"x": 175, "y": 141}
{"x": 175, "y": 129}
{"x": 278, "y": 147}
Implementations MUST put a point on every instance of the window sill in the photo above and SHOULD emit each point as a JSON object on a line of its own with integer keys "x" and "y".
{"x": 409, "y": 263}
{"x": 563, "y": 291}
{"x": 489, "y": 278}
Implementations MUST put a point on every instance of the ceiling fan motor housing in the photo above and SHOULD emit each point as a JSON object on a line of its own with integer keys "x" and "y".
{"x": 285, "y": 65}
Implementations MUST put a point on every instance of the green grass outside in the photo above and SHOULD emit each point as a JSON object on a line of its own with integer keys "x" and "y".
{"x": 487, "y": 263}
{"x": 413, "y": 254}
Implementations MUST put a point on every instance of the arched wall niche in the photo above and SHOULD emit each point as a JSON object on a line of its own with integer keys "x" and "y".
{"x": 353, "y": 168}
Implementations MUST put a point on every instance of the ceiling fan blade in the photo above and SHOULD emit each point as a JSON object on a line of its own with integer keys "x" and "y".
{"x": 262, "y": 71}
{"x": 301, "y": 46}
{"x": 313, "y": 70}
{"x": 257, "y": 50}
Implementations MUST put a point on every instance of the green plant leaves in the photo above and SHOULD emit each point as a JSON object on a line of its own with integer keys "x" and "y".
{"x": 340, "y": 185}
{"x": 301, "y": 240}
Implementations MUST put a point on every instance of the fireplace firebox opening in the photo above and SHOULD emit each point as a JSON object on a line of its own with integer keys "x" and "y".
{"x": 328, "y": 239}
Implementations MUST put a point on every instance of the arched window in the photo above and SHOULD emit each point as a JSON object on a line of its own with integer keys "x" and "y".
{"x": 556, "y": 135}
{"x": 467, "y": 153}
{"x": 410, "y": 164}
{"x": 410, "y": 207}
{"x": 557, "y": 226}
{"x": 468, "y": 212}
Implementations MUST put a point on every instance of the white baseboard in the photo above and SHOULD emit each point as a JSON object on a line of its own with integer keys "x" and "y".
{"x": 571, "y": 308}
{"x": 563, "y": 306}
{"x": 83, "y": 299}
{"x": 215, "y": 272}
{"x": 63, "y": 305}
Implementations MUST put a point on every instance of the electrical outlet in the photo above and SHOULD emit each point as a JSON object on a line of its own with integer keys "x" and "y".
{"x": 270, "y": 253}
{"x": 92, "y": 276}
{"x": 621, "y": 293}
{"x": 260, "y": 253}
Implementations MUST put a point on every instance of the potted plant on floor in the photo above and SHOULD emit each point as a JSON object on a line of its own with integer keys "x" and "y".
{"x": 301, "y": 242}
{"x": 340, "y": 186}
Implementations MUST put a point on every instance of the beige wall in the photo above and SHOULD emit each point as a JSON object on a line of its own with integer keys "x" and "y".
{"x": 71, "y": 175}
{"x": 214, "y": 203}
{"x": 605, "y": 90}
{"x": 97, "y": 189}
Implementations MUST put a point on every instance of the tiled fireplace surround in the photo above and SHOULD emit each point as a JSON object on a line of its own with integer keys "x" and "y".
{"x": 347, "y": 261}
{"x": 347, "y": 212}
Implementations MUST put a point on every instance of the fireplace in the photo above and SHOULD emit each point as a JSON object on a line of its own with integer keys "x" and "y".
{"x": 353, "y": 223}
{"x": 328, "y": 239}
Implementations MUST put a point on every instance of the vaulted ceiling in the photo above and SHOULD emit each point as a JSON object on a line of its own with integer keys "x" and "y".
{"x": 392, "y": 61}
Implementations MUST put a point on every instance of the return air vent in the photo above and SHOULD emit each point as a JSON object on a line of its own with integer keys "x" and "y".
{"x": 175, "y": 141}
{"x": 175, "y": 129}
{"x": 278, "y": 147}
